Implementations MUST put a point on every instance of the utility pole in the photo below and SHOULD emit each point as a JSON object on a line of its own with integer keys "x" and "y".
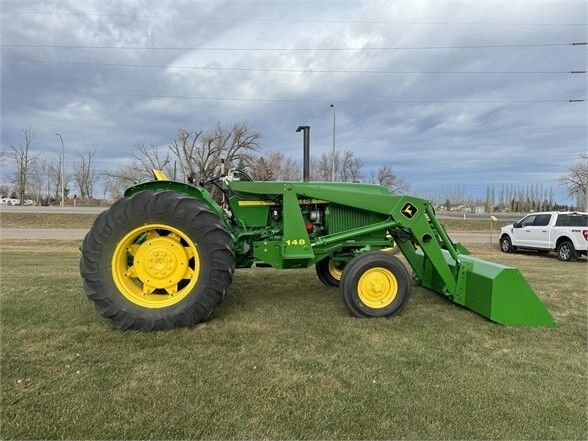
{"x": 62, "y": 172}
{"x": 333, "y": 165}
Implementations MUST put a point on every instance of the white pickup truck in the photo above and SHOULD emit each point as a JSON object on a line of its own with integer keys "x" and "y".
{"x": 563, "y": 232}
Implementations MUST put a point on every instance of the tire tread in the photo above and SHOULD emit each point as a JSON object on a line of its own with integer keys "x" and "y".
{"x": 156, "y": 204}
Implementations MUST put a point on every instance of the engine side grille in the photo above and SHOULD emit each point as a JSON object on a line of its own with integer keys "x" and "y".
{"x": 342, "y": 218}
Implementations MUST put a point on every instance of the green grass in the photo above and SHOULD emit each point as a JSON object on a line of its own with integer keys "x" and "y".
{"x": 46, "y": 220}
{"x": 472, "y": 225}
{"x": 283, "y": 359}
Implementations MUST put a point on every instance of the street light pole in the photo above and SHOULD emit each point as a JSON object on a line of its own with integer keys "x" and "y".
{"x": 62, "y": 172}
{"x": 333, "y": 165}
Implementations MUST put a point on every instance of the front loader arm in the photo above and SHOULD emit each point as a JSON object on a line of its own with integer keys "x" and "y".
{"x": 495, "y": 291}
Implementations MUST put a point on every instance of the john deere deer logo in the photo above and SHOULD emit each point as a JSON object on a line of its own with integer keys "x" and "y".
{"x": 409, "y": 210}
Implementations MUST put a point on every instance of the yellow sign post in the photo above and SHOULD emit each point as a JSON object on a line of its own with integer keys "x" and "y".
{"x": 492, "y": 220}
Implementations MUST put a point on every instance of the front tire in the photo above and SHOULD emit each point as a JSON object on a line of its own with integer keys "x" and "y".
{"x": 506, "y": 244}
{"x": 375, "y": 284}
{"x": 566, "y": 251}
{"x": 328, "y": 272}
{"x": 157, "y": 260}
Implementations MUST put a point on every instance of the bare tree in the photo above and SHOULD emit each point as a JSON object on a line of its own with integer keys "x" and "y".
{"x": 116, "y": 182}
{"x": 261, "y": 170}
{"x": 199, "y": 154}
{"x": 147, "y": 157}
{"x": 283, "y": 168}
{"x": 85, "y": 173}
{"x": 290, "y": 170}
{"x": 350, "y": 167}
{"x": 4, "y": 190}
{"x": 322, "y": 167}
{"x": 386, "y": 177}
{"x": 186, "y": 148}
{"x": 23, "y": 160}
{"x": 144, "y": 158}
{"x": 575, "y": 181}
{"x": 54, "y": 172}
{"x": 39, "y": 181}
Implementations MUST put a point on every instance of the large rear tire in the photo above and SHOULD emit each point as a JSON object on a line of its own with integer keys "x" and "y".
{"x": 375, "y": 284}
{"x": 157, "y": 260}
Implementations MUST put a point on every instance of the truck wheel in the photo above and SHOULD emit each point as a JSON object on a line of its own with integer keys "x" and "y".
{"x": 506, "y": 244}
{"x": 328, "y": 272}
{"x": 566, "y": 251}
{"x": 157, "y": 260}
{"x": 375, "y": 284}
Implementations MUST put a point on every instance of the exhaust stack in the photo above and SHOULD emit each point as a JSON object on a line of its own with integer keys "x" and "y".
{"x": 306, "y": 154}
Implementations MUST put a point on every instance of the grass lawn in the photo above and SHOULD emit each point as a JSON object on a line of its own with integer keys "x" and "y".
{"x": 46, "y": 220}
{"x": 283, "y": 359}
{"x": 473, "y": 225}
{"x": 63, "y": 220}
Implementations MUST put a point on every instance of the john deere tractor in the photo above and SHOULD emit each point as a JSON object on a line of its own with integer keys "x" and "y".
{"x": 164, "y": 255}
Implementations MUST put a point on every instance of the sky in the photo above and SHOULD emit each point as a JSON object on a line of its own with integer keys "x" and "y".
{"x": 442, "y": 114}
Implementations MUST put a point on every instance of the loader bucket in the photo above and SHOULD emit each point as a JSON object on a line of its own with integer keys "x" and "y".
{"x": 497, "y": 292}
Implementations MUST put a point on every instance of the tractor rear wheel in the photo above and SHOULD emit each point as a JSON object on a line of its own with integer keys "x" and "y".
{"x": 157, "y": 260}
{"x": 328, "y": 272}
{"x": 375, "y": 284}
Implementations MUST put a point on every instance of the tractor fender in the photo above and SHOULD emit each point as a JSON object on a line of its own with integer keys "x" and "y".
{"x": 196, "y": 192}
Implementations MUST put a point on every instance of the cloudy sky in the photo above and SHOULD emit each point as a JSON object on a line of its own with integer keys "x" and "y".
{"x": 408, "y": 87}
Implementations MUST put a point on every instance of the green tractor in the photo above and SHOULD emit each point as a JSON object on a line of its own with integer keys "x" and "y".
{"x": 164, "y": 256}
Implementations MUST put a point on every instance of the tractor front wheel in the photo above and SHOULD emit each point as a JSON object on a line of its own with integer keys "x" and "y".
{"x": 328, "y": 272}
{"x": 375, "y": 284}
{"x": 157, "y": 260}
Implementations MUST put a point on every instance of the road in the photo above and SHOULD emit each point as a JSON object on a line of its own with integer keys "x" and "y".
{"x": 78, "y": 234}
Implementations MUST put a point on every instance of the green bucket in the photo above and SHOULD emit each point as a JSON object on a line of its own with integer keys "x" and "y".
{"x": 497, "y": 292}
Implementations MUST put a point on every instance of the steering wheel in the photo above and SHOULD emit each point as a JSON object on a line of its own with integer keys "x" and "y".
{"x": 244, "y": 174}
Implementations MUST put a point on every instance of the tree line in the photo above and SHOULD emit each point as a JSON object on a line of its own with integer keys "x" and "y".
{"x": 196, "y": 155}
{"x": 40, "y": 178}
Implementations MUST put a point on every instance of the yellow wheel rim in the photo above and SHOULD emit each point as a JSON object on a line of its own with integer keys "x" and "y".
{"x": 155, "y": 266}
{"x": 377, "y": 288}
{"x": 335, "y": 272}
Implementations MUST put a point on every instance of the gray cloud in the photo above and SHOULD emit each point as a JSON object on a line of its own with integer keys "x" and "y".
{"x": 430, "y": 144}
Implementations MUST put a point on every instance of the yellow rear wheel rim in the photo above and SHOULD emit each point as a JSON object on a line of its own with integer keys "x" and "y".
{"x": 335, "y": 272}
{"x": 155, "y": 266}
{"x": 377, "y": 288}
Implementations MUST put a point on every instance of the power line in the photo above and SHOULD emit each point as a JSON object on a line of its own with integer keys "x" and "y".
{"x": 323, "y": 101}
{"x": 390, "y": 2}
{"x": 285, "y": 49}
{"x": 286, "y": 20}
{"x": 261, "y": 69}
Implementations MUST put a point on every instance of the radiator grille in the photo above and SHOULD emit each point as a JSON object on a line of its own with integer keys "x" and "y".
{"x": 343, "y": 218}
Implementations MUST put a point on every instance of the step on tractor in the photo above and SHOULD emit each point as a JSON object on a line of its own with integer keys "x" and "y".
{"x": 164, "y": 255}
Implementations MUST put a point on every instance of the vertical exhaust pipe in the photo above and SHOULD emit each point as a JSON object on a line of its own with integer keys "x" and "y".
{"x": 306, "y": 155}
